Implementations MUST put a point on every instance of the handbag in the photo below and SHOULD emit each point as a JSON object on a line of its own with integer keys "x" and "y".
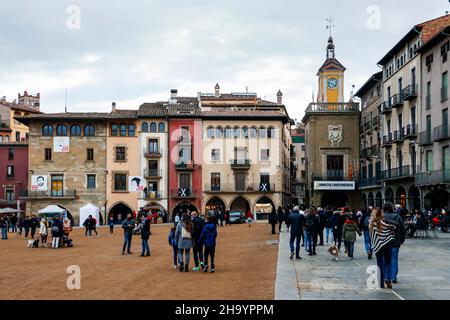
{"x": 185, "y": 234}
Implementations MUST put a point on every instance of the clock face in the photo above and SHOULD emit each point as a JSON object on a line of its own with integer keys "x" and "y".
{"x": 333, "y": 83}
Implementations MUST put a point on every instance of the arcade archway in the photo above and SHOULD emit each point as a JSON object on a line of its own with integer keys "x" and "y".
{"x": 215, "y": 203}
{"x": 240, "y": 203}
{"x": 378, "y": 200}
{"x": 119, "y": 212}
{"x": 371, "y": 200}
{"x": 436, "y": 199}
{"x": 389, "y": 195}
{"x": 155, "y": 207}
{"x": 264, "y": 207}
{"x": 414, "y": 198}
{"x": 183, "y": 207}
{"x": 400, "y": 197}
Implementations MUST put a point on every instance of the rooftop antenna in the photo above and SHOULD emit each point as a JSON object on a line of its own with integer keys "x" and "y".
{"x": 65, "y": 102}
{"x": 330, "y": 24}
{"x": 246, "y": 89}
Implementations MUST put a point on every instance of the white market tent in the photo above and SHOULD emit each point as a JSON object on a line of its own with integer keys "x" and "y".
{"x": 52, "y": 209}
{"x": 87, "y": 210}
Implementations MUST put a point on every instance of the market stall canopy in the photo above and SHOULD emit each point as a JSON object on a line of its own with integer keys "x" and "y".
{"x": 9, "y": 210}
{"x": 88, "y": 210}
{"x": 52, "y": 209}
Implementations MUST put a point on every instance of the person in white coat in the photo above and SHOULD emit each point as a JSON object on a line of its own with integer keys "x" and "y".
{"x": 43, "y": 231}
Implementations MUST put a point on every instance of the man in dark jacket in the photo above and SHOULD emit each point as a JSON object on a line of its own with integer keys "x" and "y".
{"x": 273, "y": 220}
{"x": 312, "y": 226}
{"x": 400, "y": 234}
{"x": 280, "y": 217}
{"x": 34, "y": 223}
{"x": 208, "y": 239}
{"x": 128, "y": 226}
{"x": 323, "y": 220}
{"x": 199, "y": 223}
{"x": 145, "y": 235}
{"x": 26, "y": 225}
{"x": 295, "y": 222}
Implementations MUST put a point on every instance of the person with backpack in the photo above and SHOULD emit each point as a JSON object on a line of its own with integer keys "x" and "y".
{"x": 199, "y": 223}
{"x": 337, "y": 222}
{"x": 127, "y": 226}
{"x": 295, "y": 222}
{"x": 394, "y": 218}
{"x": 328, "y": 226}
{"x": 174, "y": 245}
{"x": 57, "y": 232}
{"x": 208, "y": 239}
{"x": 312, "y": 225}
{"x": 273, "y": 220}
{"x": 349, "y": 231}
{"x": 183, "y": 237}
{"x": 145, "y": 235}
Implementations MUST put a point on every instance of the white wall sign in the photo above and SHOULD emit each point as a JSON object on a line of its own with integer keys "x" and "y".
{"x": 39, "y": 183}
{"x": 334, "y": 185}
{"x": 61, "y": 144}
{"x": 135, "y": 183}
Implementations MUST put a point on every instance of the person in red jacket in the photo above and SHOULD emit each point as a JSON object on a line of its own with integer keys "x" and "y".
{"x": 249, "y": 218}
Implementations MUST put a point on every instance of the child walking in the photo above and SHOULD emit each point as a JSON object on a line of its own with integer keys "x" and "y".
{"x": 208, "y": 239}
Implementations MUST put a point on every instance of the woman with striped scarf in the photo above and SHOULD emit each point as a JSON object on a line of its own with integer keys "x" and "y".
{"x": 382, "y": 235}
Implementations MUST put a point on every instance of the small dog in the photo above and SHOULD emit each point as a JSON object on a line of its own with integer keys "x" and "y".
{"x": 333, "y": 250}
{"x": 33, "y": 243}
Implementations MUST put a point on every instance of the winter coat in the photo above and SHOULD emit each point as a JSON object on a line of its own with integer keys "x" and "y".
{"x": 128, "y": 226}
{"x": 273, "y": 218}
{"x": 337, "y": 222}
{"x": 183, "y": 243}
{"x": 3, "y": 223}
{"x": 323, "y": 219}
{"x": 34, "y": 223}
{"x": 400, "y": 230}
{"x": 295, "y": 222}
{"x": 43, "y": 228}
{"x": 58, "y": 231}
{"x": 280, "y": 215}
{"x": 312, "y": 223}
{"x": 199, "y": 223}
{"x": 349, "y": 231}
{"x": 329, "y": 215}
{"x": 209, "y": 235}
{"x": 145, "y": 231}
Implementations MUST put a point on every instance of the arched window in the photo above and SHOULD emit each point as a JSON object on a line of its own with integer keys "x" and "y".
{"x": 271, "y": 133}
{"x": 1, "y": 138}
{"x": 153, "y": 127}
{"x": 131, "y": 130}
{"x": 114, "y": 130}
{"x": 47, "y": 130}
{"x": 123, "y": 130}
{"x": 61, "y": 130}
{"x": 144, "y": 127}
{"x": 161, "y": 127}
{"x": 236, "y": 132}
{"x": 75, "y": 130}
{"x": 210, "y": 132}
{"x": 245, "y": 132}
{"x": 228, "y": 133}
{"x": 253, "y": 132}
{"x": 219, "y": 132}
{"x": 6, "y": 138}
{"x": 89, "y": 130}
{"x": 262, "y": 132}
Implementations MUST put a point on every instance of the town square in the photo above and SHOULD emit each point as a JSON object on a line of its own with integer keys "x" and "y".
{"x": 291, "y": 154}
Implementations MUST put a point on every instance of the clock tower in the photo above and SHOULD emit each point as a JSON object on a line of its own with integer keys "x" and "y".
{"x": 331, "y": 78}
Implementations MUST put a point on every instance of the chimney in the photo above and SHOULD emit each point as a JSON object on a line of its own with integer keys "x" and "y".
{"x": 113, "y": 107}
{"x": 173, "y": 96}
{"x": 217, "y": 90}
{"x": 279, "y": 97}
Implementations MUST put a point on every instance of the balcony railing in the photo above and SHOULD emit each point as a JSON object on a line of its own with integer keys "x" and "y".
{"x": 444, "y": 94}
{"x": 396, "y": 173}
{"x": 387, "y": 139}
{"x": 250, "y": 188}
{"x": 433, "y": 177}
{"x": 425, "y": 138}
{"x": 152, "y": 173}
{"x": 397, "y": 100}
{"x": 333, "y": 107}
{"x": 149, "y": 195}
{"x": 409, "y": 92}
{"x": 411, "y": 131}
{"x": 442, "y": 133}
{"x": 152, "y": 152}
{"x": 334, "y": 177}
{"x": 183, "y": 193}
{"x": 369, "y": 182}
{"x": 240, "y": 164}
{"x": 386, "y": 107}
{"x": 33, "y": 194}
{"x": 398, "y": 136}
{"x": 186, "y": 166}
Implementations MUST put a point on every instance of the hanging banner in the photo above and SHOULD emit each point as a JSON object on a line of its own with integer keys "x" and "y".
{"x": 135, "y": 184}
{"x": 39, "y": 183}
{"x": 61, "y": 144}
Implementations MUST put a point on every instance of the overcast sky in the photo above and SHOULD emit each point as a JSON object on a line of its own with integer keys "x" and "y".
{"x": 136, "y": 51}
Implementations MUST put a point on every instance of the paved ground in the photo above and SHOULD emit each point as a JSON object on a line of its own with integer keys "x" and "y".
{"x": 245, "y": 268}
{"x": 424, "y": 273}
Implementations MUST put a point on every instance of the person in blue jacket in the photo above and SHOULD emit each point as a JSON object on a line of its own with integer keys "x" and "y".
{"x": 173, "y": 244}
{"x": 208, "y": 239}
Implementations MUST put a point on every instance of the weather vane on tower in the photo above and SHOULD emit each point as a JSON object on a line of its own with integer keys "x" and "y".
{"x": 330, "y": 47}
{"x": 330, "y": 24}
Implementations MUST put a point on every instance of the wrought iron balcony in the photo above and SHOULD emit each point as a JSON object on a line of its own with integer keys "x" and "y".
{"x": 232, "y": 188}
{"x": 240, "y": 164}
{"x": 42, "y": 195}
{"x": 152, "y": 152}
{"x": 369, "y": 182}
{"x": 409, "y": 92}
{"x": 433, "y": 177}
{"x": 151, "y": 195}
{"x": 333, "y": 107}
{"x": 152, "y": 173}
{"x": 396, "y": 173}
{"x": 334, "y": 176}
{"x": 425, "y": 138}
{"x": 386, "y": 107}
{"x": 185, "y": 166}
{"x": 399, "y": 135}
{"x": 442, "y": 133}
{"x": 397, "y": 100}
{"x": 387, "y": 140}
{"x": 411, "y": 131}
{"x": 183, "y": 193}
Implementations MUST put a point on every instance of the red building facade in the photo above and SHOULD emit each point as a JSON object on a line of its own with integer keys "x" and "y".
{"x": 13, "y": 173}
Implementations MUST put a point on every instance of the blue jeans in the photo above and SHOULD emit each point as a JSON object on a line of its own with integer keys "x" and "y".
{"x": 328, "y": 232}
{"x": 127, "y": 242}
{"x": 145, "y": 247}
{"x": 180, "y": 256}
{"x": 4, "y": 233}
{"x": 367, "y": 242}
{"x": 394, "y": 263}
{"x": 296, "y": 238}
{"x": 307, "y": 240}
{"x": 387, "y": 264}
{"x": 350, "y": 247}
{"x": 198, "y": 254}
{"x": 175, "y": 256}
